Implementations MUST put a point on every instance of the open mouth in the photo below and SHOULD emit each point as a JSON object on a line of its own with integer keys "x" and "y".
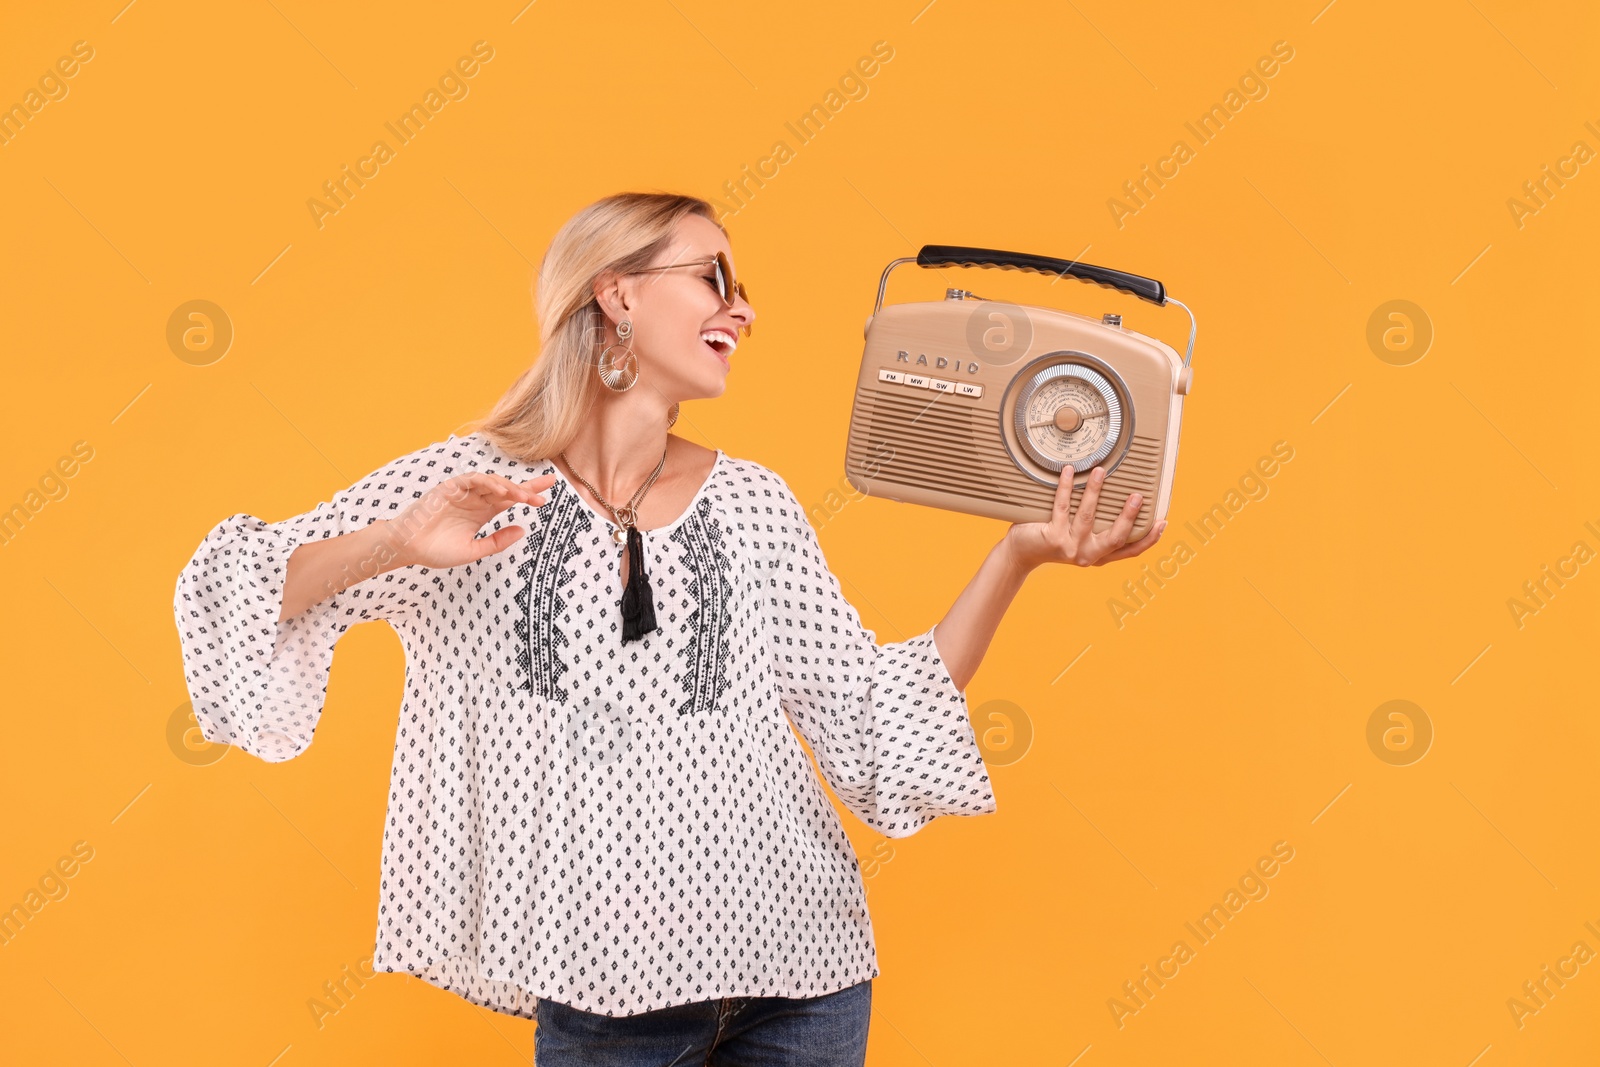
{"x": 720, "y": 342}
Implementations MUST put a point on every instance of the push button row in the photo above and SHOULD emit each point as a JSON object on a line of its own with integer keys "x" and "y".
{"x": 922, "y": 381}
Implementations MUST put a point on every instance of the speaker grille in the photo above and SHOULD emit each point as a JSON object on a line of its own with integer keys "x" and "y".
{"x": 936, "y": 439}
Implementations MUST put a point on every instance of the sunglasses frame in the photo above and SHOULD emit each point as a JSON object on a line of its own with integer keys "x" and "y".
{"x": 724, "y": 268}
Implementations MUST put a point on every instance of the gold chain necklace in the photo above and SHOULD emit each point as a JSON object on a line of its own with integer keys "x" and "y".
{"x": 638, "y": 599}
{"x": 626, "y": 517}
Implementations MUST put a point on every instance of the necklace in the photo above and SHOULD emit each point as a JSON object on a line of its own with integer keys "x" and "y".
{"x": 638, "y": 602}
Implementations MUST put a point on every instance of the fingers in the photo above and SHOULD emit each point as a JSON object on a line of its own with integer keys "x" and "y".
{"x": 1123, "y": 524}
{"x": 500, "y": 540}
{"x": 1083, "y": 521}
{"x": 1151, "y": 536}
{"x": 1062, "y": 508}
{"x": 532, "y": 491}
{"x": 496, "y": 493}
{"x": 468, "y": 489}
{"x": 541, "y": 483}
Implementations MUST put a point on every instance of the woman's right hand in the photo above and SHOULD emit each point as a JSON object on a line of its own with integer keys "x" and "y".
{"x": 440, "y": 528}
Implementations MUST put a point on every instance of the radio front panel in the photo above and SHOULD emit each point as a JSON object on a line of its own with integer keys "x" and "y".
{"x": 938, "y": 419}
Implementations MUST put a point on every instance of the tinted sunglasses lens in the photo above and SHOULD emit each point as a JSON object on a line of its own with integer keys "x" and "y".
{"x": 724, "y": 276}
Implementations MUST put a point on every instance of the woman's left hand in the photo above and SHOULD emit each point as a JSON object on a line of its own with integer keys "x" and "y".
{"x": 1070, "y": 538}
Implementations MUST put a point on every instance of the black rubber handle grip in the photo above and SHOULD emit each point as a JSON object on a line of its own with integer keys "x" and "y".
{"x": 957, "y": 256}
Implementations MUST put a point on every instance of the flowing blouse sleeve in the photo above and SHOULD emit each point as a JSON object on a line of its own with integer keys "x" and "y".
{"x": 259, "y": 683}
{"x": 890, "y": 730}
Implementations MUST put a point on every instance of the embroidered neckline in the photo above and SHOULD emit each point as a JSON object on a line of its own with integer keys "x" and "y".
{"x": 663, "y": 531}
{"x": 551, "y": 546}
{"x": 708, "y": 652}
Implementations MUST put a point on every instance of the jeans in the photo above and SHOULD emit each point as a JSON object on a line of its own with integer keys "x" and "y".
{"x": 825, "y": 1031}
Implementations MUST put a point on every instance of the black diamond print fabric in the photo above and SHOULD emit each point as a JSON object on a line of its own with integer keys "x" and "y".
{"x": 618, "y": 827}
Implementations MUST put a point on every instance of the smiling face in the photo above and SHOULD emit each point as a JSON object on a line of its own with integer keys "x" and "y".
{"x": 683, "y": 334}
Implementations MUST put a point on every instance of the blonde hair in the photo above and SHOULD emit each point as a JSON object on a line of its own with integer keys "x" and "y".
{"x": 540, "y": 414}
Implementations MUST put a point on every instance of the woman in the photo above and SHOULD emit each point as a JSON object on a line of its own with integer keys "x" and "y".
{"x": 600, "y": 817}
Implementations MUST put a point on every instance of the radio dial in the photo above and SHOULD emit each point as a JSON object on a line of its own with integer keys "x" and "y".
{"x": 1068, "y": 413}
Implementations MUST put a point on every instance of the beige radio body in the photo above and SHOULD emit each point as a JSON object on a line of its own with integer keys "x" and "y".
{"x": 945, "y": 418}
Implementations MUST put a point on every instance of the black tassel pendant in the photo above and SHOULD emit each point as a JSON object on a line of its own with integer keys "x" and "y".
{"x": 638, "y": 598}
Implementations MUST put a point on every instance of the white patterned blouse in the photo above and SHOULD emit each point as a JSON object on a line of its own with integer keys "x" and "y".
{"x": 616, "y": 826}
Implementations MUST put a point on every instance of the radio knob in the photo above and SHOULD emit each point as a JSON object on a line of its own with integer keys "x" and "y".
{"x": 1185, "y": 380}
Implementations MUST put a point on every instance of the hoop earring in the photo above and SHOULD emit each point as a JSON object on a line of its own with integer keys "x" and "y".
{"x": 672, "y": 416}
{"x": 619, "y": 373}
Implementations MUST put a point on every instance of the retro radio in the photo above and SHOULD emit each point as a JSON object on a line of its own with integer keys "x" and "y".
{"x": 980, "y": 406}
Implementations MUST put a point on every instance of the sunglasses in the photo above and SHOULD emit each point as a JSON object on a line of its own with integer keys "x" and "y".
{"x": 727, "y": 285}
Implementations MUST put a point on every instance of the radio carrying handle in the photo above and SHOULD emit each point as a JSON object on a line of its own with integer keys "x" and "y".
{"x": 958, "y": 256}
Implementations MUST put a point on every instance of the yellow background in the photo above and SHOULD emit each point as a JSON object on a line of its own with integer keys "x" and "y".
{"x": 1226, "y": 715}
